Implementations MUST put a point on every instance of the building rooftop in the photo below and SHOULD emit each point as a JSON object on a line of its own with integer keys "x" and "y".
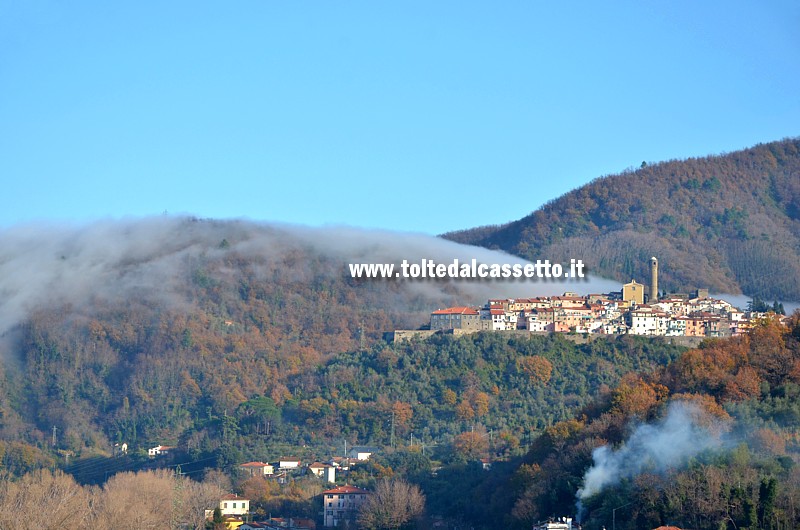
{"x": 346, "y": 489}
{"x": 460, "y": 310}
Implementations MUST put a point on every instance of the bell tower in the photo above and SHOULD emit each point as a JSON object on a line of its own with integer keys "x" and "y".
{"x": 653, "y": 279}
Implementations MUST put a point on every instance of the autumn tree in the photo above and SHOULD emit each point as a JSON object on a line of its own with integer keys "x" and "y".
{"x": 536, "y": 367}
{"x": 449, "y": 397}
{"x": 402, "y": 415}
{"x": 471, "y": 445}
{"x": 393, "y": 504}
{"x": 636, "y": 397}
{"x": 464, "y": 411}
{"x": 481, "y": 404}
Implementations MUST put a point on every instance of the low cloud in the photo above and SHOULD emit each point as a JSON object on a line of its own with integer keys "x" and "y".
{"x": 45, "y": 265}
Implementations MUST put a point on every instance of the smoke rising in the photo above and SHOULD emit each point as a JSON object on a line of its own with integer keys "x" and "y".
{"x": 44, "y": 265}
{"x": 681, "y": 435}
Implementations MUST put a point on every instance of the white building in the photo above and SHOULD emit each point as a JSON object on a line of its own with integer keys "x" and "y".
{"x": 159, "y": 450}
{"x": 257, "y": 469}
{"x": 288, "y": 462}
{"x": 231, "y": 505}
{"x": 361, "y": 452}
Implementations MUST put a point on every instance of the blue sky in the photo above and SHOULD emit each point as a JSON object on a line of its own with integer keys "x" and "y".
{"x": 412, "y": 116}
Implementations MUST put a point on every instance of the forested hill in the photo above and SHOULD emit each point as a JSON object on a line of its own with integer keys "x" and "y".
{"x": 730, "y": 223}
{"x": 144, "y": 331}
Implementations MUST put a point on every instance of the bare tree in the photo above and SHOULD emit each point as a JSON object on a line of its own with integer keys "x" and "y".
{"x": 43, "y": 500}
{"x": 394, "y": 503}
{"x": 136, "y": 501}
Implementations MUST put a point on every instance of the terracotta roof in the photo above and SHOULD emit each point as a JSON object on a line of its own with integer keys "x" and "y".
{"x": 459, "y": 310}
{"x": 344, "y": 489}
{"x": 254, "y": 464}
{"x": 232, "y": 497}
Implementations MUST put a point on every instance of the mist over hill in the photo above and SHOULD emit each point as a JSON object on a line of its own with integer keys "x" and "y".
{"x": 160, "y": 259}
{"x": 120, "y": 328}
{"x": 730, "y": 223}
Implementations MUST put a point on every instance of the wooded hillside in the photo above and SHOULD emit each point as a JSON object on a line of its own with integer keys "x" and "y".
{"x": 730, "y": 223}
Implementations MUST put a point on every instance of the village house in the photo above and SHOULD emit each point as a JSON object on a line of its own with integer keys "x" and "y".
{"x": 234, "y": 505}
{"x": 233, "y": 509}
{"x": 342, "y": 504}
{"x": 361, "y": 452}
{"x": 257, "y": 469}
{"x": 695, "y": 326}
{"x": 159, "y": 450}
{"x": 646, "y": 320}
{"x": 288, "y": 462}
{"x": 326, "y": 471}
{"x": 536, "y": 324}
{"x": 456, "y": 318}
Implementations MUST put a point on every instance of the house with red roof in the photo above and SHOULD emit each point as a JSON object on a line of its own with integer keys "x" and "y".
{"x": 461, "y": 317}
{"x": 342, "y": 504}
{"x": 257, "y": 469}
{"x": 326, "y": 471}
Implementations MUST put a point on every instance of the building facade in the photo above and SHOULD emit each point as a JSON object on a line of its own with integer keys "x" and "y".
{"x": 342, "y": 504}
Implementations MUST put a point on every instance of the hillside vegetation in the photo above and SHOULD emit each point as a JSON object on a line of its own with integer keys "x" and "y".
{"x": 235, "y": 342}
{"x": 729, "y": 460}
{"x": 730, "y": 223}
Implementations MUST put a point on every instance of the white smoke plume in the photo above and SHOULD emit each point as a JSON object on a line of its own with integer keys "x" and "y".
{"x": 47, "y": 265}
{"x": 651, "y": 448}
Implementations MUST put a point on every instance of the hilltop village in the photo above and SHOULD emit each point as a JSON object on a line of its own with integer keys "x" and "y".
{"x": 628, "y": 311}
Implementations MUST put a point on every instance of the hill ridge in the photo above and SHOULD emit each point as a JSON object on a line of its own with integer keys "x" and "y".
{"x": 728, "y": 222}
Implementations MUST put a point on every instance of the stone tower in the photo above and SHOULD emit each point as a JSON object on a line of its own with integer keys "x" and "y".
{"x": 653, "y": 279}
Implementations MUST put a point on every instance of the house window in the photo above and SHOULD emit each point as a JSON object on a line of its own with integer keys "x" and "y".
{"x": 224, "y": 504}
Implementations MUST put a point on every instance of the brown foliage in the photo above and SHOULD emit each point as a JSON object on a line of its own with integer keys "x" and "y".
{"x": 536, "y": 367}
{"x": 464, "y": 411}
{"x": 769, "y": 354}
{"x": 636, "y": 397}
{"x": 480, "y": 402}
{"x": 719, "y": 368}
{"x": 402, "y": 414}
{"x": 769, "y": 441}
{"x": 471, "y": 445}
{"x": 449, "y": 397}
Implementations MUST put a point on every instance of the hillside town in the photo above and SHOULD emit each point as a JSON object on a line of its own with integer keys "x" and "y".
{"x": 632, "y": 310}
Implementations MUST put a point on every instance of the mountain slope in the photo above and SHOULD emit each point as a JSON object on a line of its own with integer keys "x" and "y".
{"x": 730, "y": 223}
{"x": 138, "y": 331}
